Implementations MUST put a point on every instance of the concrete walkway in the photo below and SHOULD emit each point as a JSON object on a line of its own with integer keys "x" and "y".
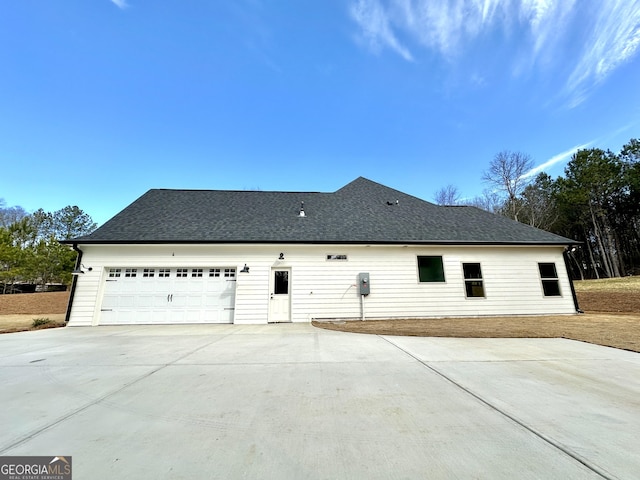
{"x": 296, "y": 402}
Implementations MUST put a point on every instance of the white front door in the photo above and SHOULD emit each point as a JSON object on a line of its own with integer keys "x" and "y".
{"x": 280, "y": 297}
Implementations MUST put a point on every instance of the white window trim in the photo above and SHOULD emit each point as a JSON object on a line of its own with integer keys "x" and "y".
{"x": 482, "y": 279}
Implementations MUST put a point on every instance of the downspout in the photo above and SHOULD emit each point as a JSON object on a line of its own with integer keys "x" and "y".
{"x": 565, "y": 256}
{"x": 74, "y": 282}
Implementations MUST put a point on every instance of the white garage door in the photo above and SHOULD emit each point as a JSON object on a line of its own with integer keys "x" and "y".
{"x": 168, "y": 295}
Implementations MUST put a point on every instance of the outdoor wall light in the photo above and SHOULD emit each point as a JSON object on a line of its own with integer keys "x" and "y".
{"x": 79, "y": 271}
{"x": 245, "y": 269}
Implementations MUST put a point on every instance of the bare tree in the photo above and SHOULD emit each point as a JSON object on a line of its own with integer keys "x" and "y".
{"x": 506, "y": 173}
{"x": 10, "y": 215}
{"x": 448, "y": 195}
{"x": 489, "y": 201}
{"x": 538, "y": 200}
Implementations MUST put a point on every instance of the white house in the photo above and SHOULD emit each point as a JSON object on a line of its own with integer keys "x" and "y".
{"x": 364, "y": 251}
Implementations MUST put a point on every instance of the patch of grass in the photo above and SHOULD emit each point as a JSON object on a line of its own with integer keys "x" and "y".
{"x": 21, "y": 323}
{"x": 39, "y": 322}
{"x": 622, "y": 284}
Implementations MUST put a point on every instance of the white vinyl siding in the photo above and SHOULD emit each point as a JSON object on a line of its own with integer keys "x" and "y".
{"x": 328, "y": 289}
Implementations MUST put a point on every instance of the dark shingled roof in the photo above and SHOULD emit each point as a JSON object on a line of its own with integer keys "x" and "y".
{"x": 362, "y": 212}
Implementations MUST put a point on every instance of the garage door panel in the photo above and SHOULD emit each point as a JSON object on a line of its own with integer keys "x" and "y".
{"x": 215, "y": 285}
{"x": 209, "y": 316}
{"x": 156, "y": 316}
{"x": 108, "y": 317}
{"x": 147, "y": 286}
{"x": 180, "y": 316}
{"x": 159, "y": 300}
{"x": 226, "y": 315}
{"x": 211, "y": 301}
{"x": 109, "y": 301}
{"x": 116, "y": 286}
{"x": 127, "y": 301}
{"x": 229, "y": 292}
{"x": 168, "y": 295}
{"x": 194, "y": 301}
{"x": 184, "y": 286}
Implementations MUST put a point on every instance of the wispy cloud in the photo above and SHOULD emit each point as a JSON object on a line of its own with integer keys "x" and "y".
{"x": 375, "y": 27}
{"x": 560, "y": 157}
{"x": 587, "y": 42}
{"x": 614, "y": 39}
{"x": 446, "y": 27}
{"x": 120, "y": 3}
{"x": 441, "y": 26}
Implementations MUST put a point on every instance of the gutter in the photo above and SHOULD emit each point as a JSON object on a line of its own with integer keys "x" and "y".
{"x": 565, "y": 256}
{"x": 74, "y": 282}
{"x": 566, "y": 243}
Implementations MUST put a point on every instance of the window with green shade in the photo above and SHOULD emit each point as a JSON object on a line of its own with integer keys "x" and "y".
{"x": 430, "y": 269}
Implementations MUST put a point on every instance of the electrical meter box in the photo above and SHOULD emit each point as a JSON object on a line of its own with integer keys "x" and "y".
{"x": 363, "y": 284}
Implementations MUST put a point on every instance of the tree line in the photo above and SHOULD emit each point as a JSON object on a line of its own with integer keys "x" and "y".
{"x": 596, "y": 202}
{"x": 30, "y": 248}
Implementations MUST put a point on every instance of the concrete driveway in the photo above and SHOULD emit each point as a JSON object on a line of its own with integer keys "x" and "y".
{"x": 294, "y": 402}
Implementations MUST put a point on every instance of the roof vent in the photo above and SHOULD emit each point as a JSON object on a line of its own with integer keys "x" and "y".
{"x": 397, "y": 202}
{"x": 301, "y": 214}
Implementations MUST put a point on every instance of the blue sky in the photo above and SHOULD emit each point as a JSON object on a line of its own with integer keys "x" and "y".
{"x": 101, "y": 100}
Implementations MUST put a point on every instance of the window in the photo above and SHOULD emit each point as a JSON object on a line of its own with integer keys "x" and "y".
{"x": 226, "y": 272}
{"x": 281, "y": 282}
{"x": 148, "y": 272}
{"x": 196, "y": 272}
{"x": 164, "y": 273}
{"x": 182, "y": 272}
{"x": 549, "y": 277}
{"x": 114, "y": 272}
{"x": 473, "y": 283}
{"x": 336, "y": 257}
{"x": 430, "y": 269}
{"x": 131, "y": 272}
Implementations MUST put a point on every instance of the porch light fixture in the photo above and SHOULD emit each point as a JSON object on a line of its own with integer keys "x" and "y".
{"x": 79, "y": 271}
{"x": 245, "y": 269}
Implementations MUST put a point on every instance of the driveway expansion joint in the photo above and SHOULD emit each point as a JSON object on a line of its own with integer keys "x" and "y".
{"x": 578, "y": 458}
{"x": 34, "y": 433}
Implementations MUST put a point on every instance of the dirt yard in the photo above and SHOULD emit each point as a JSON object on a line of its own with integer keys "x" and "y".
{"x": 44, "y": 303}
{"x": 611, "y": 306}
{"x": 18, "y": 311}
{"x": 612, "y": 318}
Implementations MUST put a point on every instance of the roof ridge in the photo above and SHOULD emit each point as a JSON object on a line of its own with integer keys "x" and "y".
{"x": 363, "y": 211}
{"x": 228, "y": 190}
